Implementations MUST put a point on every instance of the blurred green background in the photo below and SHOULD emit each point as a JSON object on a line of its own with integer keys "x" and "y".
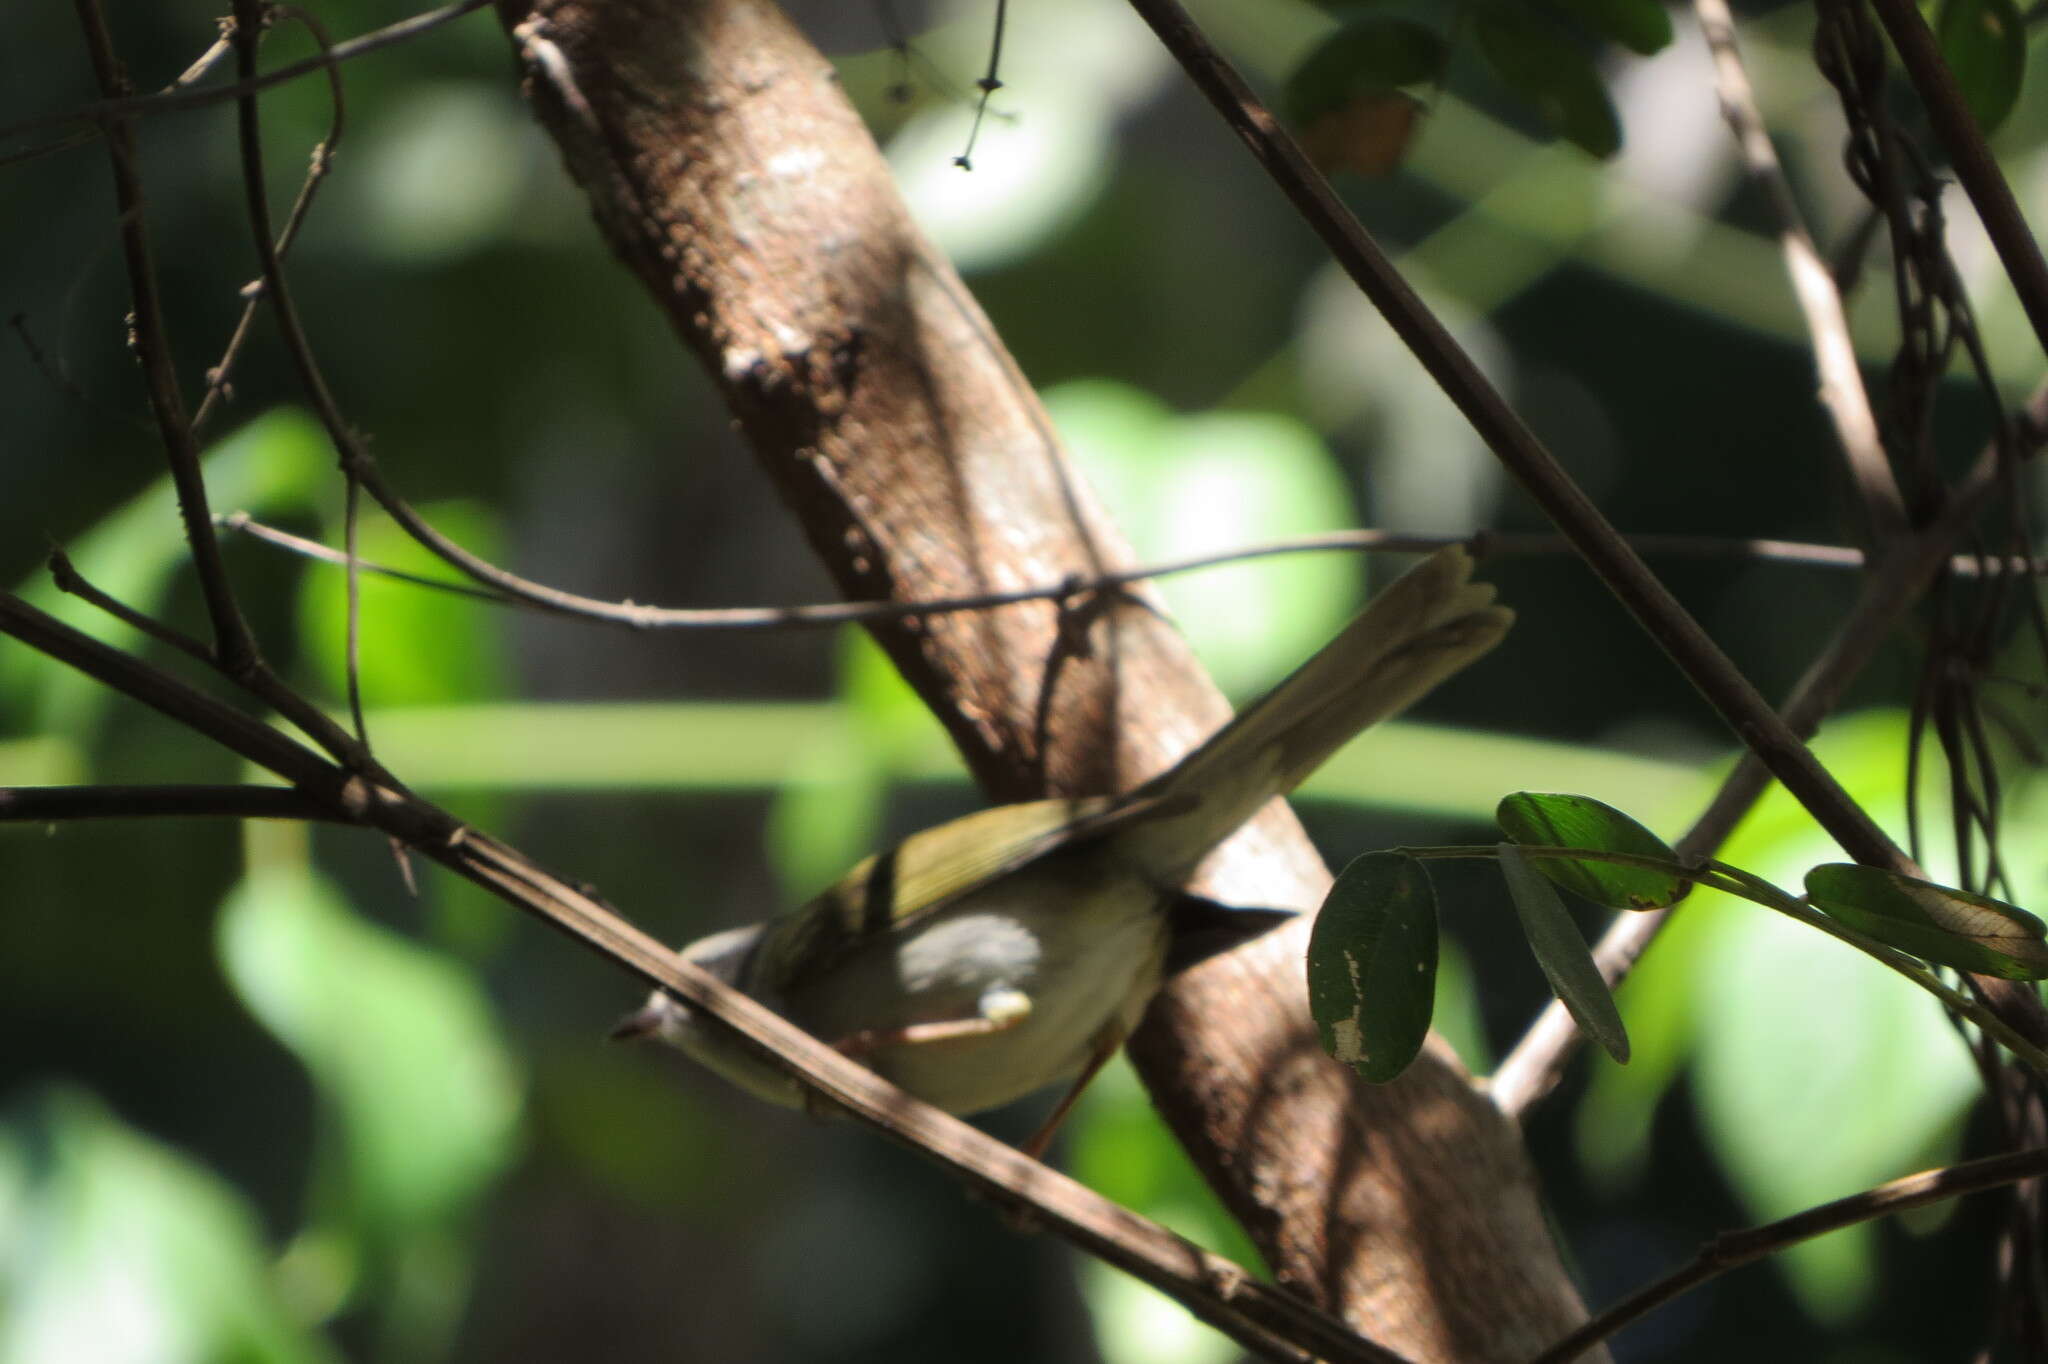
{"x": 260, "y": 1102}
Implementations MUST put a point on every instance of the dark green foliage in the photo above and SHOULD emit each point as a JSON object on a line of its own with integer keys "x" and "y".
{"x": 1372, "y": 964}
{"x": 1559, "y": 821}
{"x": 1943, "y": 925}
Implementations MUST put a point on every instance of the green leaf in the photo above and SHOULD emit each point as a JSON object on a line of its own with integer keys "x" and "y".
{"x": 1818, "y": 1072}
{"x": 398, "y": 1038}
{"x": 1551, "y": 73}
{"x": 418, "y": 646}
{"x": 1186, "y": 486}
{"x": 270, "y": 467}
{"x": 1640, "y": 25}
{"x": 1363, "y": 57}
{"x": 1559, "y": 821}
{"x": 1952, "y": 927}
{"x": 1984, "y": 43}
{"x": 1561, "y": 952}
{"x": 1372, "y": 964}
{"x": 115, "y": 1247}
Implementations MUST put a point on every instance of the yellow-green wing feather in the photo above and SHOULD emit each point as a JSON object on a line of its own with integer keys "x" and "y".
{"x": 896, "y": 889}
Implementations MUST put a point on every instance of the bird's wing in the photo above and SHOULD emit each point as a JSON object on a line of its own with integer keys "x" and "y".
{"x": 900, "y": 888}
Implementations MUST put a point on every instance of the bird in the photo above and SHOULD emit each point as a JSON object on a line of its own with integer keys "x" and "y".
{"x": 1008, "y": 950}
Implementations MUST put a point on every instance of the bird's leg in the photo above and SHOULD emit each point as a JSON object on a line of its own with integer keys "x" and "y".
{"x": 997, "y": 1011}
{"x": 1105, "y": 1047}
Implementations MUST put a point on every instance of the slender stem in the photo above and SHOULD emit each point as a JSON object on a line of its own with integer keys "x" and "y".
{"x": 127, "y": 105}
{"x": 233, "y": 646}
{"x": 52, "y": 804}
{"x": 1733, "y": 1249}
{"x": 322, "y": 159}
{"x": 1483, "y": 544}
{"x": 1953, "y": 1000}
{"x": 1834, "y": 353}
{"x": 1732, "y": 880}
{"x": 68, "y": 580}
{"x": 2018, "y": 250}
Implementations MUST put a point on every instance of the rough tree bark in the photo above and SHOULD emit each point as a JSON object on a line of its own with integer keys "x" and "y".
{"x": 727, "y": 170}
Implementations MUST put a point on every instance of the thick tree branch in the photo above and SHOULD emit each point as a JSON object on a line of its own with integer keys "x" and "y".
{"x": 1732, "y": 1250}
{"x": 731, "y": 176}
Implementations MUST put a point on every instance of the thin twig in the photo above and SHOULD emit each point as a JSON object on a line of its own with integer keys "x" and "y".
{"x": 203, "y": 64}
{"x": 247, "y": 38}
{"x": 1733, "y": 1249}
{"x": 1956, "y": 126}
{"x": 63, "y": 804}
{"x": 1482, "y": 543}
{"x": 1268, "y": 1320}
{"x": 234, "y": 649}
{"x": 68, "y": 579}
{"x": 1834, "y": 353}
{"x": 128, "y": 105}
{"x": 318, "y": 164}
{"x": 233, "y": 646}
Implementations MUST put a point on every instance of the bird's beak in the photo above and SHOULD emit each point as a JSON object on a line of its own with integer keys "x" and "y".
{"x": 644, "y": 1022}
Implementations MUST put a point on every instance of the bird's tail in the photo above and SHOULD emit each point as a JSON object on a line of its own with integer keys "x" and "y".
{"x": 1422, "y": 628}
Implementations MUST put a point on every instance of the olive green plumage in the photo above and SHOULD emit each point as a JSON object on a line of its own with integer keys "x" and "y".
{"x": 993, "y": 955}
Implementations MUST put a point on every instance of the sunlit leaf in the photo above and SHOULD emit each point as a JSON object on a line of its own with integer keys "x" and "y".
{"x": 827, "y": 814}
{"x": 1457, "y": 1018}
{"x": 117, "y": 1249}
{"x": 1372, "y": 964}
{"x": 1615, "y": 1118}
{"x": 418, "y": 646}
{"x": 1541, "y": 66}
{"x": 1118, "y": 1147}
{"x": 1186, "y": 486}
{"x": 1562, "y": 953}
{"x": 1818, "y": 1073}
{"x": 1641, "y": 25}
{"x": 398, "y": 1039}
{"x": 1561, "y": 821}
{"x": 271, "y": 466}
{"x": 1803, "y": 1103}
{"x": 885, "y": 709}
{"x": 1984, "y": 43}
{"x": 1952, "y": 927}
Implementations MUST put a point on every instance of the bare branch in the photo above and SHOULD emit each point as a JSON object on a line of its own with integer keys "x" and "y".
{"x": 1732, "y": 1250}
{"x": 1481, "y": 543}
{"x": 69, "y": 580}
{"x": 321, "y": 160}
{"x": 129, "y": 105}
{"x": 1813, "y": 284}
{"x": 233, "y": 645}
{"x": 62, "y": 804}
